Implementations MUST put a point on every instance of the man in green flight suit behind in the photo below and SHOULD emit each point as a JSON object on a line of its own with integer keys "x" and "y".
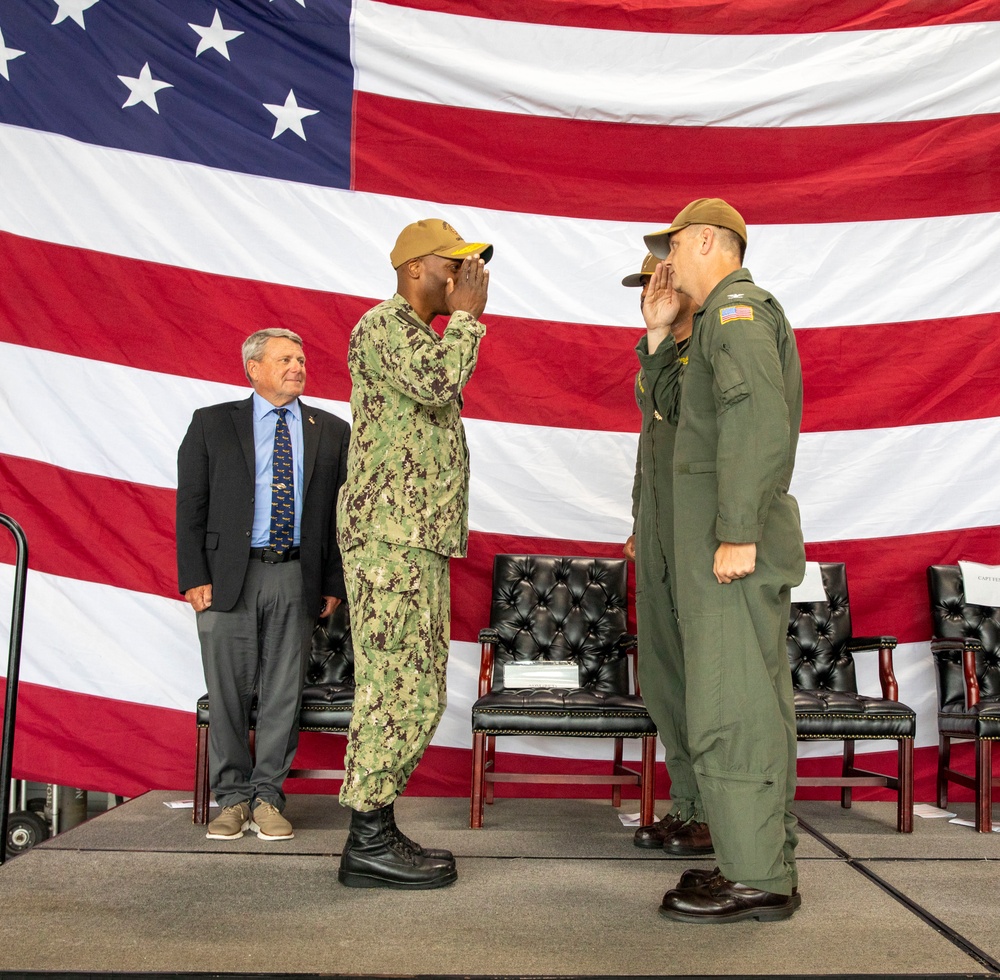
{"x": 739, "y": 552}
{"x": 662, "y": 353}
{"x": 402, "y": 514}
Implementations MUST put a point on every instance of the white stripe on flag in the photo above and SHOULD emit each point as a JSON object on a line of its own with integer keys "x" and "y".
{"x": 108, "y": 642}
{"x": 842, "y": 77}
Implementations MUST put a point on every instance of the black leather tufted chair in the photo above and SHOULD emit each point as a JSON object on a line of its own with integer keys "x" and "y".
{"x": 327, "y": 700}
{"x": 827, "y": 702}
{"x": 556, "y": 608}
{"x": 966, "y": 650}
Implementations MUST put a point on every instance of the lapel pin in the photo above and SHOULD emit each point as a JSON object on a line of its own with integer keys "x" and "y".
{"x": 312, "y": 421}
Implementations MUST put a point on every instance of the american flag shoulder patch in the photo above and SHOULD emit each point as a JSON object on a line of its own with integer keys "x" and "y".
{"x": 728, "y": 313}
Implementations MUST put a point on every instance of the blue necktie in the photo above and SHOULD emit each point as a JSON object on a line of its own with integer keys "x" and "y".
{"x": 282, "y": 487}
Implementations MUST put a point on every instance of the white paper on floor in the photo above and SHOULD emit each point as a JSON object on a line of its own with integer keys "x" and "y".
{"x": 632, "y": 819}
{"x": 972, "y": 823}
{"x": 931, "y": 811}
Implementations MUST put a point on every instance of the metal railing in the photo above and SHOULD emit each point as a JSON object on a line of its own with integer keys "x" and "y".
{"x": 13, "y": 671}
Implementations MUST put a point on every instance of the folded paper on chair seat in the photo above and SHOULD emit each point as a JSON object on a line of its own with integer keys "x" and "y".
{"x": 541, "y": 673}
{"x": 811, "y": 588}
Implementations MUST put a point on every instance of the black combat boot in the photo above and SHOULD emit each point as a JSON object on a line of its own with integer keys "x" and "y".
{"x": 432, "y": 852}
{"x": 374, "y": 857}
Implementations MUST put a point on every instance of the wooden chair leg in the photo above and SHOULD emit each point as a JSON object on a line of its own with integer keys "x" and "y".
{"x": 491, "y": 762}
{"x": 478, "y": 779}
{"x": 904, "y": 806}
{"x": 199, "y": 813}
{"x": 845, "y": 791}
{"x": 944, "y": 763}
{"x": 984, "y": 785}
{"x": 616, "y": 788}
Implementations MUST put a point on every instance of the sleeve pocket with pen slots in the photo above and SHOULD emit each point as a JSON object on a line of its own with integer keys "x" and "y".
{"x": 730, "y": 385}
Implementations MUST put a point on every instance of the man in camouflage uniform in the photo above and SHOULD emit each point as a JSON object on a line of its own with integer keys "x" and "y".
{"x": 662, "y": 353}
{"x": 739, "y": 550}
{"x": 402, "y": 514}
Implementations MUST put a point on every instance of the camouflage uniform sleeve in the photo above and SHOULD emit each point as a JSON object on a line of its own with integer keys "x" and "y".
{"x": 429, "y": 369}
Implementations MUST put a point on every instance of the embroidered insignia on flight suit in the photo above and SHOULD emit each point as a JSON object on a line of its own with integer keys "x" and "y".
{"x": 728, "y": 313}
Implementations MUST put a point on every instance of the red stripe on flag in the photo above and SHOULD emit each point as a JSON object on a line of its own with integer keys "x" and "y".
{"x": 52, "y": 725}
{"x": 709, "y": 17}
{"x": 577, "y": 376}
{"x": 189, "y": 323}
{"x": 887, "y": 577}
{"x": 787, "y": 175}
{"x": 886, "y": 374}
{"x": 161, "y": 317}
{"x": 91, "y": 528}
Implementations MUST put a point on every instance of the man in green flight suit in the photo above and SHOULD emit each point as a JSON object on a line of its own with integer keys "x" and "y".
{"x": 402, "y": 514}
{"x": 683, "y": 829}
{"x": 739, "y": 552}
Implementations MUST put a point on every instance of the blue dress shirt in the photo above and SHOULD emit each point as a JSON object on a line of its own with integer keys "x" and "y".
{"x": 265, "y": 418}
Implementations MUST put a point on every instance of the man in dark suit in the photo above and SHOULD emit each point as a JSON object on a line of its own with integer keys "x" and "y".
{"x": 257, "y": 558}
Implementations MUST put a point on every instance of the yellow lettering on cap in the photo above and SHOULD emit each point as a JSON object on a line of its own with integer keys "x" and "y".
{"x": 467, "y": 250}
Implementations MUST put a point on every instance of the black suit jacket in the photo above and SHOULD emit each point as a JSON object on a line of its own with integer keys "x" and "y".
{"x": 215, "y": 498}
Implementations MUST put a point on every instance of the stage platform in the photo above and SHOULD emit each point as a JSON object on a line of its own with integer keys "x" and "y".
{"x": 549, "y": 888}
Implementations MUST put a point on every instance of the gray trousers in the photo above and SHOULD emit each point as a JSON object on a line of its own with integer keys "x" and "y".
{"x": 262, "y": 645}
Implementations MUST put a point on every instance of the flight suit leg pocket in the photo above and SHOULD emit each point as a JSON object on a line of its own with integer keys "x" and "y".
{"x": 703, "y": 666}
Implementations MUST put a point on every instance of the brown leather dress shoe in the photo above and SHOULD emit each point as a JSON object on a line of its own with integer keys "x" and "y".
{"x": 691, "y": 838}
{"x": 722, "y": 900}
{"x": 653, "y": 835}
{"x": 694, "y": 877}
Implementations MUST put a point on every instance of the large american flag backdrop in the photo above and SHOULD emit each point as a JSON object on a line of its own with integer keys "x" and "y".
{"x": 177, "y": 173}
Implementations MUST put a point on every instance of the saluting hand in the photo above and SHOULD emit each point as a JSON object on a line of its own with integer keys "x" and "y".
{"x": 468, "y": 292}
{"x": 662, "y": 305}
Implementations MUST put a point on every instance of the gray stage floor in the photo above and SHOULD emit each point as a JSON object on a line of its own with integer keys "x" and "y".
{"x": 547, "y": 888}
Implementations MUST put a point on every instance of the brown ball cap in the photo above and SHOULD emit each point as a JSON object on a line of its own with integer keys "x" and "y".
{"x": 432, "y": 236}
{"x": 648, "y": 267}
{"x": 704, "y": 211}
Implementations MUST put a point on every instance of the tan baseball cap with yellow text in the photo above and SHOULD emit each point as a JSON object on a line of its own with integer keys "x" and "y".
{"x": 432, "y": 236}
